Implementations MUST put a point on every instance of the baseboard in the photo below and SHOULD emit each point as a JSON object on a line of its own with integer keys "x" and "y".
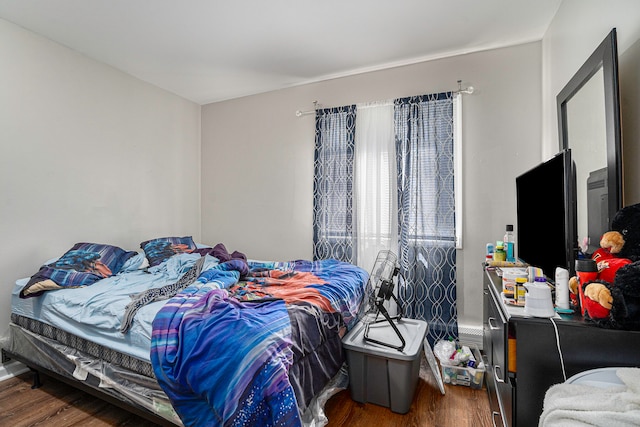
{"x": 470, "y": 334}
{"x": 11, "y": 369}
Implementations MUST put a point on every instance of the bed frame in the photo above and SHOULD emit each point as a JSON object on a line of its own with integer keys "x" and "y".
{"x": 49, "y": 359}
{"x": 90, "y": 386}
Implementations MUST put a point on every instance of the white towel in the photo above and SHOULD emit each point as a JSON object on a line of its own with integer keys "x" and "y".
{"x": 583, "y": 405}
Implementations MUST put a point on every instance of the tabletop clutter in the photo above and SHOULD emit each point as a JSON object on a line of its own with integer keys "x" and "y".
{"x": 524, "y": 285}
{"x": 504, "y": 250}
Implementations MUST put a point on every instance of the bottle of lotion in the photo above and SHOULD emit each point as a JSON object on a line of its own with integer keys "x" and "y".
{"x": 562, "y": 288}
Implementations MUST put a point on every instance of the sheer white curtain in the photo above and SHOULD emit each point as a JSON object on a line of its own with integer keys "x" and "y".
{"x": 375, "y": 189}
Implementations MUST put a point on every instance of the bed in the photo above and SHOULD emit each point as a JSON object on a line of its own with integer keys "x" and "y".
{"x": 186, "y": 334}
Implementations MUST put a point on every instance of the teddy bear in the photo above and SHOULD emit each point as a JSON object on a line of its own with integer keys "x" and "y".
{"x": 611, "y": 295}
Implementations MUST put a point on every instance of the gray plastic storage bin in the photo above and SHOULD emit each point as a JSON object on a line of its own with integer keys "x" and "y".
{"x": 383, "y": 375}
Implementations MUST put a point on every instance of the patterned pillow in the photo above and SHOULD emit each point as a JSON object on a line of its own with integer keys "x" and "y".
{"x": 82, "y": 265}
{"x": 161, "y": 249}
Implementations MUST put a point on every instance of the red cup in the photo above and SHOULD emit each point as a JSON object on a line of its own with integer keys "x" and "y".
{"x": 587, "y": 271}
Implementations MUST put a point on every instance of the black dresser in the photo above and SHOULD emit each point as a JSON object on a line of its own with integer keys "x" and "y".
{"x": 522, "y": 354}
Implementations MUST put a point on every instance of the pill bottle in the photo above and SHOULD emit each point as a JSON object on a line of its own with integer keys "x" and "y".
{"x": 499, "y": 254}
{"x": 520, "y": 290}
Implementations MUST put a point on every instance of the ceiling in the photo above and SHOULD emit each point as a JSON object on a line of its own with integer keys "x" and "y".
{"x": 214, "y": 50}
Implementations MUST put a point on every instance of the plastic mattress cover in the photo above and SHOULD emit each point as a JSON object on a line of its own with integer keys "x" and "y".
{"x": 130, "y": 387}
{"x": 127, "y": 386}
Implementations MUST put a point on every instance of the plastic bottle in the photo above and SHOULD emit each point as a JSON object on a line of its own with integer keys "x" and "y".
{"x": 509, "y": 244}
{"x": 499, "y": 254}
{"x": 489, "y": 254}
{"x": 489, "y": 249}
{"x": 562, "y": 288}
{"x": 520, "y": 290}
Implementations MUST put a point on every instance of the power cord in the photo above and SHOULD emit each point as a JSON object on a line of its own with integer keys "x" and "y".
{"x": 564, "y": 374}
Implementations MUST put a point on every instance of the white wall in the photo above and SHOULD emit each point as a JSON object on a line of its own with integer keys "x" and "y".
{"x": 257, "y": 156}
{"x": 87, "y": 153}
{"x": 629, "y": 70}
{"x": 577, "y": 29}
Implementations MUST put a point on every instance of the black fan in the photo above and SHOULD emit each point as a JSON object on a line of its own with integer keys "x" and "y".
{"x": 380, "y": 289}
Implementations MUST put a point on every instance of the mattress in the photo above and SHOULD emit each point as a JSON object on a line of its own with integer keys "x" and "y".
{"x": 95, "y": 312}
{"x": 87, "y": 347}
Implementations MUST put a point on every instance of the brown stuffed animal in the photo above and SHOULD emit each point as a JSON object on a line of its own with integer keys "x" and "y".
{"x": 612, "y": 297}
{"x": 612, "y": 241}
{"x": 607, "y": 266}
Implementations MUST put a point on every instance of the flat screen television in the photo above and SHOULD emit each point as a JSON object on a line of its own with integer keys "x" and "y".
{"x": 546, "y": 215}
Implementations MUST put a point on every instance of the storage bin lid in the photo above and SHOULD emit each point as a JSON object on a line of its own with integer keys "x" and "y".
{"x": 413, "y": 331}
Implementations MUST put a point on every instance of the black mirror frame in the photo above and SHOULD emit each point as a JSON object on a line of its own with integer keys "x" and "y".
{"x": 606, "y": 57}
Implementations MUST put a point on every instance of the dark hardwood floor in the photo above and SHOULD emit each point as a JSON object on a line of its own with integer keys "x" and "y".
{"x": 57, "y": 404}
{"x": 459, "y": 407}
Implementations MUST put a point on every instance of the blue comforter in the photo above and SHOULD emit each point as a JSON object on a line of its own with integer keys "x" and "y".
{"x": 254, "y": 351}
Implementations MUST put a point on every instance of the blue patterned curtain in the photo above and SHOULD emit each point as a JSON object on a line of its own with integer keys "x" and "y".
{"x": 424, "y": 132}
{"x": 333, "y": 184}
{"x": 426, "y": 204}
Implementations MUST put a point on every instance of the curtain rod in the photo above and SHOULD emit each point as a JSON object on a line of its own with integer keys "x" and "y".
{"x": 467, "y": 90}
{"x": 301, "y": 113}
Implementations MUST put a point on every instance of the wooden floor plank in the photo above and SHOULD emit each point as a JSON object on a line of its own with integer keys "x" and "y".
{"x": 57, "y": 404}
{"x": 460, "y": 407}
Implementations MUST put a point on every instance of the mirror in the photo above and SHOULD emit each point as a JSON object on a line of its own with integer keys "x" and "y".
{"x": 589, "y": 125}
